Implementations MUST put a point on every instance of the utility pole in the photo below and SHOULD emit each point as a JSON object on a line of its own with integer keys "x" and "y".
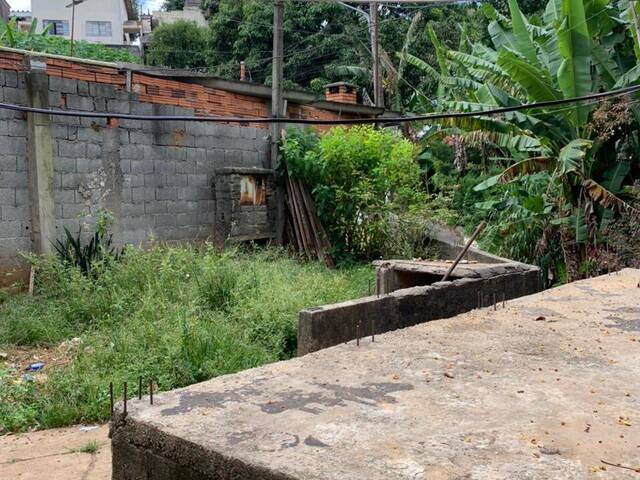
{"x": 73, "y": 23}
{"x": 378, "y": 92}
{"x": 72, "y": 5}
{"x": 277, "y": 104}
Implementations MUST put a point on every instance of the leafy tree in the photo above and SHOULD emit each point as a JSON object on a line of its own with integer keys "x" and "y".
{"x": 326, "y": 41}
{"x": 575, "y": 49}
{"x": 181, "y": 44}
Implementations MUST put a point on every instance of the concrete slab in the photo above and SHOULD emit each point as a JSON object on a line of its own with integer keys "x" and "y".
{"x": 544, "y": 388}
{"x": 55, "y": 455}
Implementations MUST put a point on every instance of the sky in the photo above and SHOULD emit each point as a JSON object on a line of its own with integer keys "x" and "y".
{"x": 26, "y": 4}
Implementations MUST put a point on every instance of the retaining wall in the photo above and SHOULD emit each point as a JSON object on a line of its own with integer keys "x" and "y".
{"x": 331, "y": 325}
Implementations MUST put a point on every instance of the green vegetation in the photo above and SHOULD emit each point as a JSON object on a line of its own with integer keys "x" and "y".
{"x": 367, "y": 189}
{"x": 180, "y": 45}
{"x": 553, "y": 178}
{"x": 91, "y": 447}
{"x": 12, "y": 36}
{"x": 326, "y": 41}
{"x": 178, "y": 315}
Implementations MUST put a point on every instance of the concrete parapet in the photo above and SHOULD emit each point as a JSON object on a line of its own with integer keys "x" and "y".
{"x": 330, "y": 325}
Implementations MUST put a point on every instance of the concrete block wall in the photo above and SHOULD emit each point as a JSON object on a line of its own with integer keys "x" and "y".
{"x": 330, "y": 325}
{"x": 238, "y": 222}
{"x": 15, "y": 217}
{"x": 159, "y": 178}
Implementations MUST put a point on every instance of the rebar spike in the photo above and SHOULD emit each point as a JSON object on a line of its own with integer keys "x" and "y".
{"x": 124, "y": 395}
{"x": 111, "y": 398}
{"x": 373, "y": 331}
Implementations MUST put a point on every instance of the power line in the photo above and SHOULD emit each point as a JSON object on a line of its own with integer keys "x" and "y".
{"x": 393, "y": 2}
{"x": 304, "y": 121}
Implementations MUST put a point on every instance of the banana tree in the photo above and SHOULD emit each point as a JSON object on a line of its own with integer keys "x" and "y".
{"x": 572, "y": 51}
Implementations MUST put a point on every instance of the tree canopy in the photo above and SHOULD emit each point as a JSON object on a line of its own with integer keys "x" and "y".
{"x": 326, "y": 41}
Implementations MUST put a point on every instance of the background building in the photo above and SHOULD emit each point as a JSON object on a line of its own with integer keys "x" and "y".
{"x": 111, "y": 22}
{"x": 191, "y": 12}
{"x": 5, "y": 10}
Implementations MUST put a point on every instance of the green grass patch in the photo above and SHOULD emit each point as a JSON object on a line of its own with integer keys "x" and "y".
{"x": 179, "y": 315}
{"x": 92, "y": 446}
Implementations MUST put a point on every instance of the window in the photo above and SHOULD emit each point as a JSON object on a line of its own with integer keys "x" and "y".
{"x": 58, "y": 27}
{"x": 98, "y": 29}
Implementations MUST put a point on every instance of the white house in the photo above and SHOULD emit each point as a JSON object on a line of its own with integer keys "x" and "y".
{"x": 101, "y": 21}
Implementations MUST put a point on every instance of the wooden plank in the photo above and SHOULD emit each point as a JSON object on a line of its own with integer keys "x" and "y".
{"x": 298, "y": 217}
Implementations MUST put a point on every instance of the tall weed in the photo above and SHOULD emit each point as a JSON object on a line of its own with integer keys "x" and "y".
{"x": 178, "y": 315}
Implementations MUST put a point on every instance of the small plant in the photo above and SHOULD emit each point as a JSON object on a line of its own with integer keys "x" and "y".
{"x": 72, "y": 250}
{"x": 92, "y": 446}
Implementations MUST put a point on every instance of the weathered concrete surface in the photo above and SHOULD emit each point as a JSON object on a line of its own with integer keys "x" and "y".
{"x": 392, "y": 275}
{"x": 544, "y": 388}
{"x": 55, "y": 455}
{"x": 477, "y": 285}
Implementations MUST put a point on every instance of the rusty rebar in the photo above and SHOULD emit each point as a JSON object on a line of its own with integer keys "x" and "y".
{"x": 460, "y": 256}
{"x": 124, "y": 398}
{"x": 373, "y": 330}
{"x": 111, "y": 398}
{"x": 150, "y": 392}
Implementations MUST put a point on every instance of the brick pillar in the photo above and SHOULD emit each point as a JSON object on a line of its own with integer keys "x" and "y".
{"x": 40, "y": 159}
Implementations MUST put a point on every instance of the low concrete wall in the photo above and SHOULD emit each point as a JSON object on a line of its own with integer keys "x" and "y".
{"x": 331, "y": 325}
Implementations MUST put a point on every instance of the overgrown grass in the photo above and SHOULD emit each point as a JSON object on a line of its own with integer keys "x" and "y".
{"x": 179, "y": 315}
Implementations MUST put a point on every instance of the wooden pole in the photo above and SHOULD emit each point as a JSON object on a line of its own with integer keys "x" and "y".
{"x": 277, "y": 104}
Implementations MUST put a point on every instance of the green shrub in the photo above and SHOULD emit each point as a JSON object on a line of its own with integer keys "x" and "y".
{"x": 364, "y": 180}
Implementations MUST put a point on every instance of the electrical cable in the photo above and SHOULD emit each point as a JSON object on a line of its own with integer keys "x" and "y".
{"x": 305, "y": 121}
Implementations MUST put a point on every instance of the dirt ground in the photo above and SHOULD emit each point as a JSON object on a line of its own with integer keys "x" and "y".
{"x": 55, "y": 455}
